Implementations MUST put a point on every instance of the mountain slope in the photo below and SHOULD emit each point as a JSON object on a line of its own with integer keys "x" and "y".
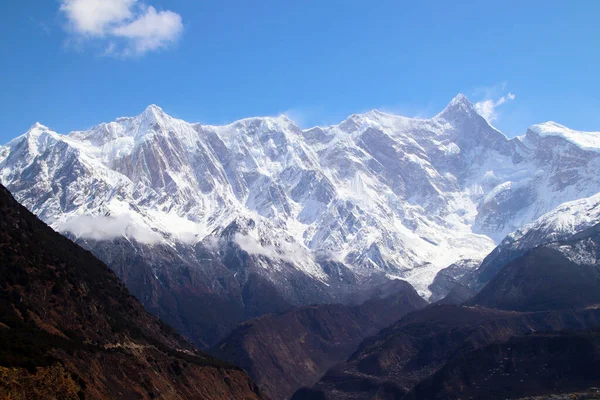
{"x": 194, "y": 291}
{"x": 454, "y": 351}
{"x": 391, "y": 363}
{"x": 534, "y": 365}
{"x": 69, "y": 328}
{"x": 283, "y": 352}
{"x": 563, "y": 274}
{"x": 560, "y": 224}
{"x": 259, "y": 215}
{"x": 450, "y": 279}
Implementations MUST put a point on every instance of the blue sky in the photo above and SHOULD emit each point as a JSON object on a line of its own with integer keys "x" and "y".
{"x": 71, "y": 64}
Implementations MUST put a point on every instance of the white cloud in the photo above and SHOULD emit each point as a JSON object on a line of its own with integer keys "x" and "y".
{"x": 309, "y": 117}
{"x": 288, "y": 252}
{"x": 152, "y": 30}
{"x": 108, "y": 228}
{"x": 298, "y": 115}
{"x": 488, "y": 108}
{"x": 95, "y": 17}
{"x": 123, "y": 27}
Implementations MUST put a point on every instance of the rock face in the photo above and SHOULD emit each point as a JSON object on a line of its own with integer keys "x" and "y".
{"x": 426, "y": 345}
{"x": 559, "y": 224}
{"x": 450, "y": 279}
{"x": 568, "y": 221}
{"x": 69, "y": 328}
{"x": 283, "y": 352}
{"x": 194, "y": 291}
{"x": 564, "y": 274}
{"x": 260, "y": 215}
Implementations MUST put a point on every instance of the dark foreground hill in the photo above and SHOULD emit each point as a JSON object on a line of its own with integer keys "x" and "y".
{"x": 533, "y": 365}
{"x": 69, "y": 329}
{"x": 443, "y": 338}
{"x": 283, "y": 352}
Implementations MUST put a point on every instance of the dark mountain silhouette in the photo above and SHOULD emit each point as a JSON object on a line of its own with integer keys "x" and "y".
{"x": 283, "y": 352}
{"x": 534, "y": 365}
{"x": 393, "y": 362}
{"x": 69, "y": 328}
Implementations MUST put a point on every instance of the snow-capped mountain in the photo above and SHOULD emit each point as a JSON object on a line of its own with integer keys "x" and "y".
{"x": 375, "y": 197}
{"x": 563, "y": 223}
{"x": 560, "y": 224}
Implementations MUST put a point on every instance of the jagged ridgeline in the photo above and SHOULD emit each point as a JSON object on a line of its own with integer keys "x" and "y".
{"x": 69, "y": 329}
{"x": 211, "y": 225}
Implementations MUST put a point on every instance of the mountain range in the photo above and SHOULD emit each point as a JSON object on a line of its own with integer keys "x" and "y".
{"x": 302, "y": 256}
{"x": 212, "y": 225}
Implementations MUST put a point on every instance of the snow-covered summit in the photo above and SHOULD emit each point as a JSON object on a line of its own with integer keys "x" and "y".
{"x": 38, "y": 127}
{"x": 584, "y": 140}
{"x": 458, "y": 106}
{"x": 33, "y": 133}
{"x": 460, "y": 100}
{"x": 378, "y": 193}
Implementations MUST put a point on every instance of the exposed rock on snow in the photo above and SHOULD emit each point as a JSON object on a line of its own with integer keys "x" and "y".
{"x": 376, "y": 196}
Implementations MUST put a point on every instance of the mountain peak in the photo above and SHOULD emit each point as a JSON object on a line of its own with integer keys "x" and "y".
{"x": 153, "y": 112}
{"x": 375, "y": 113}
{"x": 585, "y": 140}
{"x": 267, "y": 121}
{"x": 460, "y": 104}
{"x": 285, "y": 118}
{"x": 33, "y": 133}
{"x": 154, "y": 108}
{"x": 37, "y": 127}
{"x": 548, "y": 126}
{"x": 460, "y": 99}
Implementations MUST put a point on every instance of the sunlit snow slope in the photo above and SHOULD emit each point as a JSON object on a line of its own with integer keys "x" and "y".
{"x": 380, "y": 194}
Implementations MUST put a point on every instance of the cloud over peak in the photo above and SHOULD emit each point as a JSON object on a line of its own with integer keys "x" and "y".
{"x": 123, "y": 27}
{"x": 487, "y": 108}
